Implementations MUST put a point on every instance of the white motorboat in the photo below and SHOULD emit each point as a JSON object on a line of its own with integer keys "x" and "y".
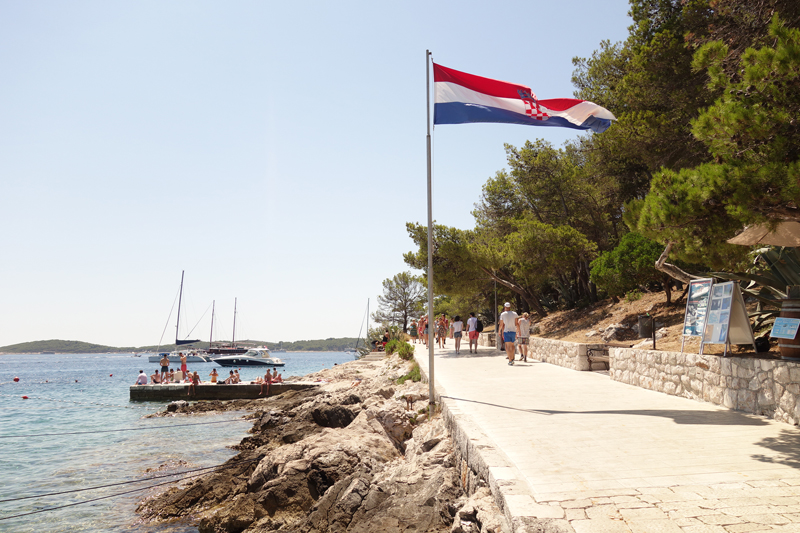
{"x": 253, "y": 357}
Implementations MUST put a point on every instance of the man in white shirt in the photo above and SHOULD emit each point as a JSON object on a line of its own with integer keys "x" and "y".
{"x": 508, "y": 329}
{"x": 472, "y": 331}
{"x": 142, "y": 379}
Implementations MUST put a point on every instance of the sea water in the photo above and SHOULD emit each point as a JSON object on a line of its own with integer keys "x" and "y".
{"x": 66, "y": 437}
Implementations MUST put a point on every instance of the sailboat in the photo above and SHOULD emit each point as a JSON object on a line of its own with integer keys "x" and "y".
{"x": 174, "y": 357}
{"x": 226, "y": 348}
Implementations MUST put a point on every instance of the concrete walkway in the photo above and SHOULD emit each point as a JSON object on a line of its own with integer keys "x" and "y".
{"x": 574, "y": 451}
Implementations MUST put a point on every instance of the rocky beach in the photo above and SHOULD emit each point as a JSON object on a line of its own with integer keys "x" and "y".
{"x": 357, "y": 454}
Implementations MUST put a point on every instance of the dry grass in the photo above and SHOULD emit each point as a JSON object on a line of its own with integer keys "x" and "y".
{"x": 573, "y": 325}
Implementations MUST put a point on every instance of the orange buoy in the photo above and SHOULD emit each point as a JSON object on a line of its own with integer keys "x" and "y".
{"x": 24, "y": 397}
{"x": 111, "y": 375}
{"x": 16, "y": 379}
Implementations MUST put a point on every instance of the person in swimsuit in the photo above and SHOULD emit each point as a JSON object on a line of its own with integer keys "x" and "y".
{"x": 164, "y": 367}
{"x": 156, "y": 377}
{"x": 195, "y": 381}
{"x": 183, "y": 362}
{"x": 214, "y": 375}
{"x": 267, "y": 381}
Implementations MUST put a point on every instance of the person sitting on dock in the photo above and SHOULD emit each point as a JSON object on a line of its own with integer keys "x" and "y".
{"x": 177, "y": 377}
{"x": 195, "y": 381}
{"x": 230, "y": 380}
{"x": 277, "y": 378}
{"x": 141, "y": 379}
{"x": 171, "y": 376}
{"x": 214, "y": 375}
{"x": 267, "y": 381}
{"x": 236, "y": 375}
{"x": 155, "y": 377}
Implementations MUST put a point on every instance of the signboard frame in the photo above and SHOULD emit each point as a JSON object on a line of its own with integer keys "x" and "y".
{"x": 726, "y": 320}
{"x": 694, "y": 318}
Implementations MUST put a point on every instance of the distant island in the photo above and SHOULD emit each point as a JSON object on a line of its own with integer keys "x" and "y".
{"x": 59, "y": 346}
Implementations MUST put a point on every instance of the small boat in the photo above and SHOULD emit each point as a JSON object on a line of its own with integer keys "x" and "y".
{"x": 253, "y": 357}
{"x": 175, "y": 357}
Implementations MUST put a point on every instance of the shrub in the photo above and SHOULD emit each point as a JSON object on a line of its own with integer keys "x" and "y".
{"x": 413, "y": 374}
{"x": 405, "y": 351}
{"x": 632, "y": 296}
{"x": 391, "y": 346}
{"x": 628, "y": 266}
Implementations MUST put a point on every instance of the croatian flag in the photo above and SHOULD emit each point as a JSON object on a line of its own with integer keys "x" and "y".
{"x": 461, "y": 98}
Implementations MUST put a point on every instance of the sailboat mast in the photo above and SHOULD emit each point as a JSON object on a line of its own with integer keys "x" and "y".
{"x": 178, "y": 321}
{"x": 211, "y": 335}
{"x": 233, "y": 341}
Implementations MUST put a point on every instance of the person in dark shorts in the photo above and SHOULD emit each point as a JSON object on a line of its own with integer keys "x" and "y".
{"x": 164, "y": 367}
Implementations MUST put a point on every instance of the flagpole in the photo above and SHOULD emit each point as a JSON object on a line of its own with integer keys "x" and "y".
{"x": 431, "y": 326}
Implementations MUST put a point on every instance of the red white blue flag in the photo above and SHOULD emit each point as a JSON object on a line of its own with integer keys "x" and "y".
{"x": 461, "y": 98}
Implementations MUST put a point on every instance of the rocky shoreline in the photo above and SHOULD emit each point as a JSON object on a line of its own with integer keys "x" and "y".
{"x": 358, "y": 454}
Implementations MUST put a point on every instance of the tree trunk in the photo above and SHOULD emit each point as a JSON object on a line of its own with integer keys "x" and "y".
{"x": 671, "y": 270}
{"x": 530, "y": 297}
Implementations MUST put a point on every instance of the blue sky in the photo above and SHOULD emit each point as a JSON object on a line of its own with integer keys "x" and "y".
{"x": 272, "y": 150}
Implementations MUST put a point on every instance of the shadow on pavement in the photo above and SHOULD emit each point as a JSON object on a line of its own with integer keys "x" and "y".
{"x": 711, "y": 418}
{"x": 787, "y": 445}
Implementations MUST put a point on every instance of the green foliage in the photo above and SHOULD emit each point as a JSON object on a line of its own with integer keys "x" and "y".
{"x": 403, "y": 297}
{"x": 773, "y": 270}
{"x": 632, "y": 296}
{"x": 391, "y": 346}
{"x": 752, "y": 133}
{"x": 405, "y": 351}
{"x": 627, "y": 266}
{"x": 414, "y": 375}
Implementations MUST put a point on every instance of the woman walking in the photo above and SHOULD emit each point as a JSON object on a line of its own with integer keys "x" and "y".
{"x": 442, "y": 326}
{"x": 458, "y": 327}
{"x": 523, "y": 333}
{"x": 413, "y": 331}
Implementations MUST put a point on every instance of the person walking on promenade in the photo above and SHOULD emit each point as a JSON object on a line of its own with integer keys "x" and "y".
{"x": 508, "y": 330}
{"x": 164, "y": 367}
{"x": 442, "y": 327}
{"x": 458, "y": 327}
{"x": 413, "y": 331}
{"x": 472, "y": 331}
{"x": 423, "y": 329}
{"x": 523, "y": 334}
{"x": 141, "y": 379}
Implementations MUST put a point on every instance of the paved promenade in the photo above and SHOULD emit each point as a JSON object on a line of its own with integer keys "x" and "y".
{"x": 574, "y": 451}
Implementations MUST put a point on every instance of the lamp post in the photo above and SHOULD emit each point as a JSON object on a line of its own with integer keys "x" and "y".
{"x": 496, "y": 325}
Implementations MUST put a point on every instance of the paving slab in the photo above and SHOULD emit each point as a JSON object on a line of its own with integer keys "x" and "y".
{"x": 562, "y": 436}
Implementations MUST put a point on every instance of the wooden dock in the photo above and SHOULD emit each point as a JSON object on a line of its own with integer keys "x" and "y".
{"x": 207, "y": 391}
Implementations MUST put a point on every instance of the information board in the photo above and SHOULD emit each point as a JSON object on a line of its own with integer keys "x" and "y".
{"x": 785, "y": 328}
{"x": 727, "y": 321}
{"x": 696, "y": 307}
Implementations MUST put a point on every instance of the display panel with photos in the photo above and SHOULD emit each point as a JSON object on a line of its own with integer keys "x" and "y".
{"x": 697, "y": 307}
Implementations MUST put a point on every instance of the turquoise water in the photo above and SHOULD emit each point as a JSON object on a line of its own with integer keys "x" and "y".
{"x": 89, "y": 393}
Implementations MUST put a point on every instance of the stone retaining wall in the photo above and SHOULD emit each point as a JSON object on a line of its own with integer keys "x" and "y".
{"x": 760, "y": 386}
{"x": 562, "y": 353}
